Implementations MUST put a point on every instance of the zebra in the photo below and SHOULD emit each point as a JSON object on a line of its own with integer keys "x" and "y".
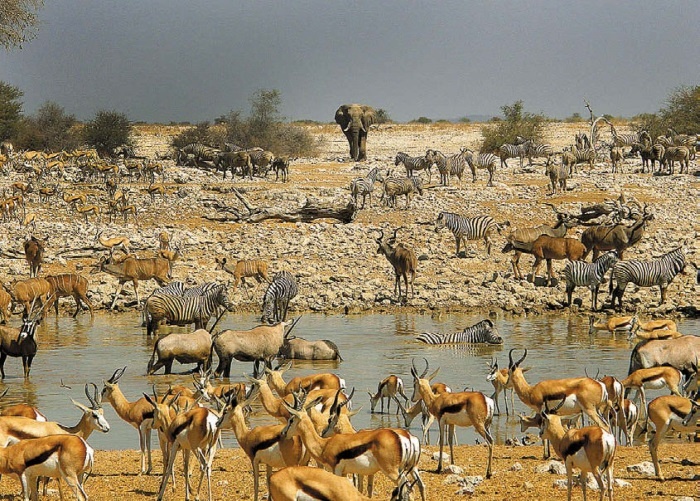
{"x": 583, "y": 155}
{"x": 414, "y": 163}
{"x": 535, "y": 150}
{"x": 624, "y": 140}
{"x": 468, "y": 228}
{"x": 261, "y": 160}
{"x": 200, "y": 153}
{"x": 558, "y": 174}
{"x": 482, "y": 161}
{"x": 453, "y": 165}
{"x": 365, "y": 186}
{"x": 395, "y": 186}
{"x": 591, "y": 275}
{"x": 281, "y": 290}
{"x": 659, "y": 272}
{"x": 481, "y": 332}
{"x": 186, "y": 310}
{"x": 507, "y": 151}
{"x": 649, "y": 153}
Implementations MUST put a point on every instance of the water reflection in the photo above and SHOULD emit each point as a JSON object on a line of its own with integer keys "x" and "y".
{"x": 73, "y": 352}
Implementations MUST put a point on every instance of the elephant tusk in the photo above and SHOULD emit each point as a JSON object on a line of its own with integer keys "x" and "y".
{"x": 348, "y": 127}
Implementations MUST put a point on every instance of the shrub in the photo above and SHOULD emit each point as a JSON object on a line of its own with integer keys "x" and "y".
{"x": 50, "y": 129}
{"x": 515, "y": 122}
{"x": 106, "y": 131}
{"x": 197, "y": 134}
{"x": 10, "y": 110}
{"x": 682, "y": 111}
{"x": 381, "y": 116}
{"x": 421, "y": 120}
{"x": 574, "y": 118}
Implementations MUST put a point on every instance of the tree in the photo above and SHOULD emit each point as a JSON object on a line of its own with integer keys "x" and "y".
{"x": 682, "y": 111}
{"x": 106, "y": 131}
{"x": 50, "y": 128}
{"x": 381, "y": 116}
{"x": 18, "y": 22}
{"x": 10, "y": 110}
{"x": 515, "y": 122}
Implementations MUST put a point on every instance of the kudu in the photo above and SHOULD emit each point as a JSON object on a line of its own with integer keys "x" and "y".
{"x": 402, "y": 258}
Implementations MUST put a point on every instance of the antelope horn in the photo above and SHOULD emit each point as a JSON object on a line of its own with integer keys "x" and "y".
{"x": 521, "y": 360}
{"x": 93, "y": 404}
{"x": 4, "y": 393}
{"x": 381, "y": 235}
{"x": 554, "y": 411}
{"x": 117, "y": 375}
{"x": 427, "y": 366}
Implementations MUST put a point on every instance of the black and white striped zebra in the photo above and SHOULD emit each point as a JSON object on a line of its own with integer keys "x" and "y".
{"x": 281, "y": 290}
{"x": 558, "y": 175}
{"x": 414, "y": 164}
{"x": 365, "y": 186}
{"x": 659, "y": 272}
{"x": 261, "y": 160}
{"x": 199, "y": 152}
{"x": 178, "y": 289}
{"x": 586, "y": 155}
{"x": 624, "y": 140}
{"x": 481, "y": 332}
{"x": 591, "y": 275}
{"x": 468, "y": 228}
{"x": 453, "y": 165}
{"x": 507, "y": 151}
{"x": 395, "y": 186}
{"x": 482, "y": 161}
{"x": 186, "y": 310}
{"x": 537, "y": 150}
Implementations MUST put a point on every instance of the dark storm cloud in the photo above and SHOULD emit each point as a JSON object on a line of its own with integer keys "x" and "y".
{"x": 173, "y": 60}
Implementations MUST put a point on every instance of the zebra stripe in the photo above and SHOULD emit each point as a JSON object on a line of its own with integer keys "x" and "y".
{"x": 186, "y": 310}
{"x": 534, "y": 150}
{"x": 481, "y": 332}
{"x": 587, "y": 155}
{"x": 200, "y": 290}
{"x": 483, "y": 161}
{"x": 558, "y": 174}
{"x": 659, "y": 272}
{"x": 591, "y": 275}
{"x": 365, "y": 186}
{"x": 413, "y": 163}
{"x": 453, "y": 165}
{"x": 281, "y": 290}
{"x": 507, "y": 151}
{"x": 467, "y": 228}
{"x": 261, "y": 160}
{"x": 629, "y": 139}
{"x": 395, "y": 186}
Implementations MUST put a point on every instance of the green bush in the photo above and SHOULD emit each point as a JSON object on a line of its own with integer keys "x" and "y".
{"x": 381, "y": 116}
{"x": 197, "y": 134}
{"x": 106, "y": 131}
{"x": 10, "y": 111}
{"x": 682, "y": 110}
{"x": 574, "y": 118}
{"x": 49, "y": 129}
{"x": 515, "y": 122}
{"x": 421, "y": 120}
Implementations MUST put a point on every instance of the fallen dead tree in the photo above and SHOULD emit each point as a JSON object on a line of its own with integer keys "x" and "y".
{"x": 309, "y": 212}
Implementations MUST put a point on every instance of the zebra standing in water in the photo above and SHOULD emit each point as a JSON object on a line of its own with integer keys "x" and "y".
{"x": 281, "y": 290}
{"x": 483, "y": 161}
{"x": 186, "y": 310}
{"x": 413, "y": 163}
{"x": 453, "y": 165}
{"x": 659, "y": 272}
{"x": 365, "y": 186}
{"x": 468, "y": 228}
{"x": 481, "y": 332}
{"x": 591, "y": 275}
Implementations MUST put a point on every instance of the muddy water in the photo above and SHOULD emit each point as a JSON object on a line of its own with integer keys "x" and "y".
{"x": 73, "y": 352}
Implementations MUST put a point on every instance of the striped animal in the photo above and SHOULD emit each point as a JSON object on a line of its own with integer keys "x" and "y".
{"x": 481, "y": 332}
{"x": 591, "y": 275}
{"x": 679, "y": 154}
{"x": 453, "y": 165}
{"x": 395, "y": 186}
{"x": 468, "y": 228}
{"x": 365, "y": 185}
{"x": 200, "y": 152}
{"x": 482, "y": 161}
{"x": 586, "y": 155}
{"x": 261, "y": 160}
{"x": 186, "y": 310}
{"x": 650, "y": 153}
{"x": 536, "y": 150}
{"x": 659, "y": 272}
{"x": 507, "y": 151}
{"x": 558, "y": 174}
{"x": 277, "y": 296}
{"x": 629, "y": 139}
{"x": 413, "y": 164}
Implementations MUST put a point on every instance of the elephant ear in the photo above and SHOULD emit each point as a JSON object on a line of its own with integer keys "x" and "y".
{"x": 367, "y": 116}
{"x": 340, "y": 118}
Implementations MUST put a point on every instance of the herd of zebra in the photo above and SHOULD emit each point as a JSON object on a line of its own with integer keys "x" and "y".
{"x": 666, "y": 150}
{"x": 196, "y": 305}
{"x": 245, "y": 162}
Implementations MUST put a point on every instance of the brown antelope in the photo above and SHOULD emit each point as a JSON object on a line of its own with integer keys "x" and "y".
{"x": 73, "y": 200}
{"x": 47, "y": 192}
{"x": 30, "y": 220}
{"x": 30, "y": 290}
{"x": 164, "y": 240}
{"x": 365, "y": 452}
{"x": 627, "y": 417}
{"x": 265, "y": 445}
{"x": 590, "y": 449}
{"x": 465, "y": 408}
{"x": 196, "y": 430}
{"x": 21, "y": 410}
{"x": 134, "y": 269}
{"x": 158, "y": 189}
{"x": 419, "y": 407}
{"x": 69, "y": 285}
{"x": 5, "y": 304}
{"x": 207, "y": 391}
{"x": 656, "y": 329}
{"x": 86, "y": 210}
{"x": 578, "y": 394}
{"x": 653, "y": 378}
{"x": 22, "y": 188}
{"x": 305, "y": 482}
{"x": 402, "y": 259}
{"x": 65, "y": 457}
{"x": 138, "y": 414}
{"x": 670, "y": 413}
{"x": 613, "y": 324}
{"x": 501, "y": 383}
{"x": 119, "y": 242}
{"x": 255, "y": 268}
{"x": 317, "y": 381}
{"x": 34, "y": 254}
{"x": 388, "y": 388}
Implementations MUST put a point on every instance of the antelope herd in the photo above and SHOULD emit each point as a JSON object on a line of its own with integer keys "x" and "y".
{"x": 314, "y": 412}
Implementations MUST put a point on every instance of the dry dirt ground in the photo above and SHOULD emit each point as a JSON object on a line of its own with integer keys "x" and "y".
{"x": 115, "y": 476}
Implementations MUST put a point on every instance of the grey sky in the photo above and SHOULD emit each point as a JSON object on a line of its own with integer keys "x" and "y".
{"x": 185, "y": 60}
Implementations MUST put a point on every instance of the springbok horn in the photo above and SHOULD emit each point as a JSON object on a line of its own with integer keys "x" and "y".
{"x": 93, "y": 404}
{"x": 510, "y": 358}
{"x": 521, "y": 360}
{"x": 427, "y": 366}
{"x": 4, "y": 392}
{"x": 98, "y": 396}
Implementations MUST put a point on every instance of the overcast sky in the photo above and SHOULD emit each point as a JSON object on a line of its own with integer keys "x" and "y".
{"x": 189, "y": 60}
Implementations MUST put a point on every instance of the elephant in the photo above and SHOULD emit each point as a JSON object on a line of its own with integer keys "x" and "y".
{"x": 354, "y": 120}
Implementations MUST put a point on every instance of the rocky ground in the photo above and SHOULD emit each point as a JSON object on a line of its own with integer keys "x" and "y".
{"x": 336, "y": 265}
{"x": 518, "y": 473}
